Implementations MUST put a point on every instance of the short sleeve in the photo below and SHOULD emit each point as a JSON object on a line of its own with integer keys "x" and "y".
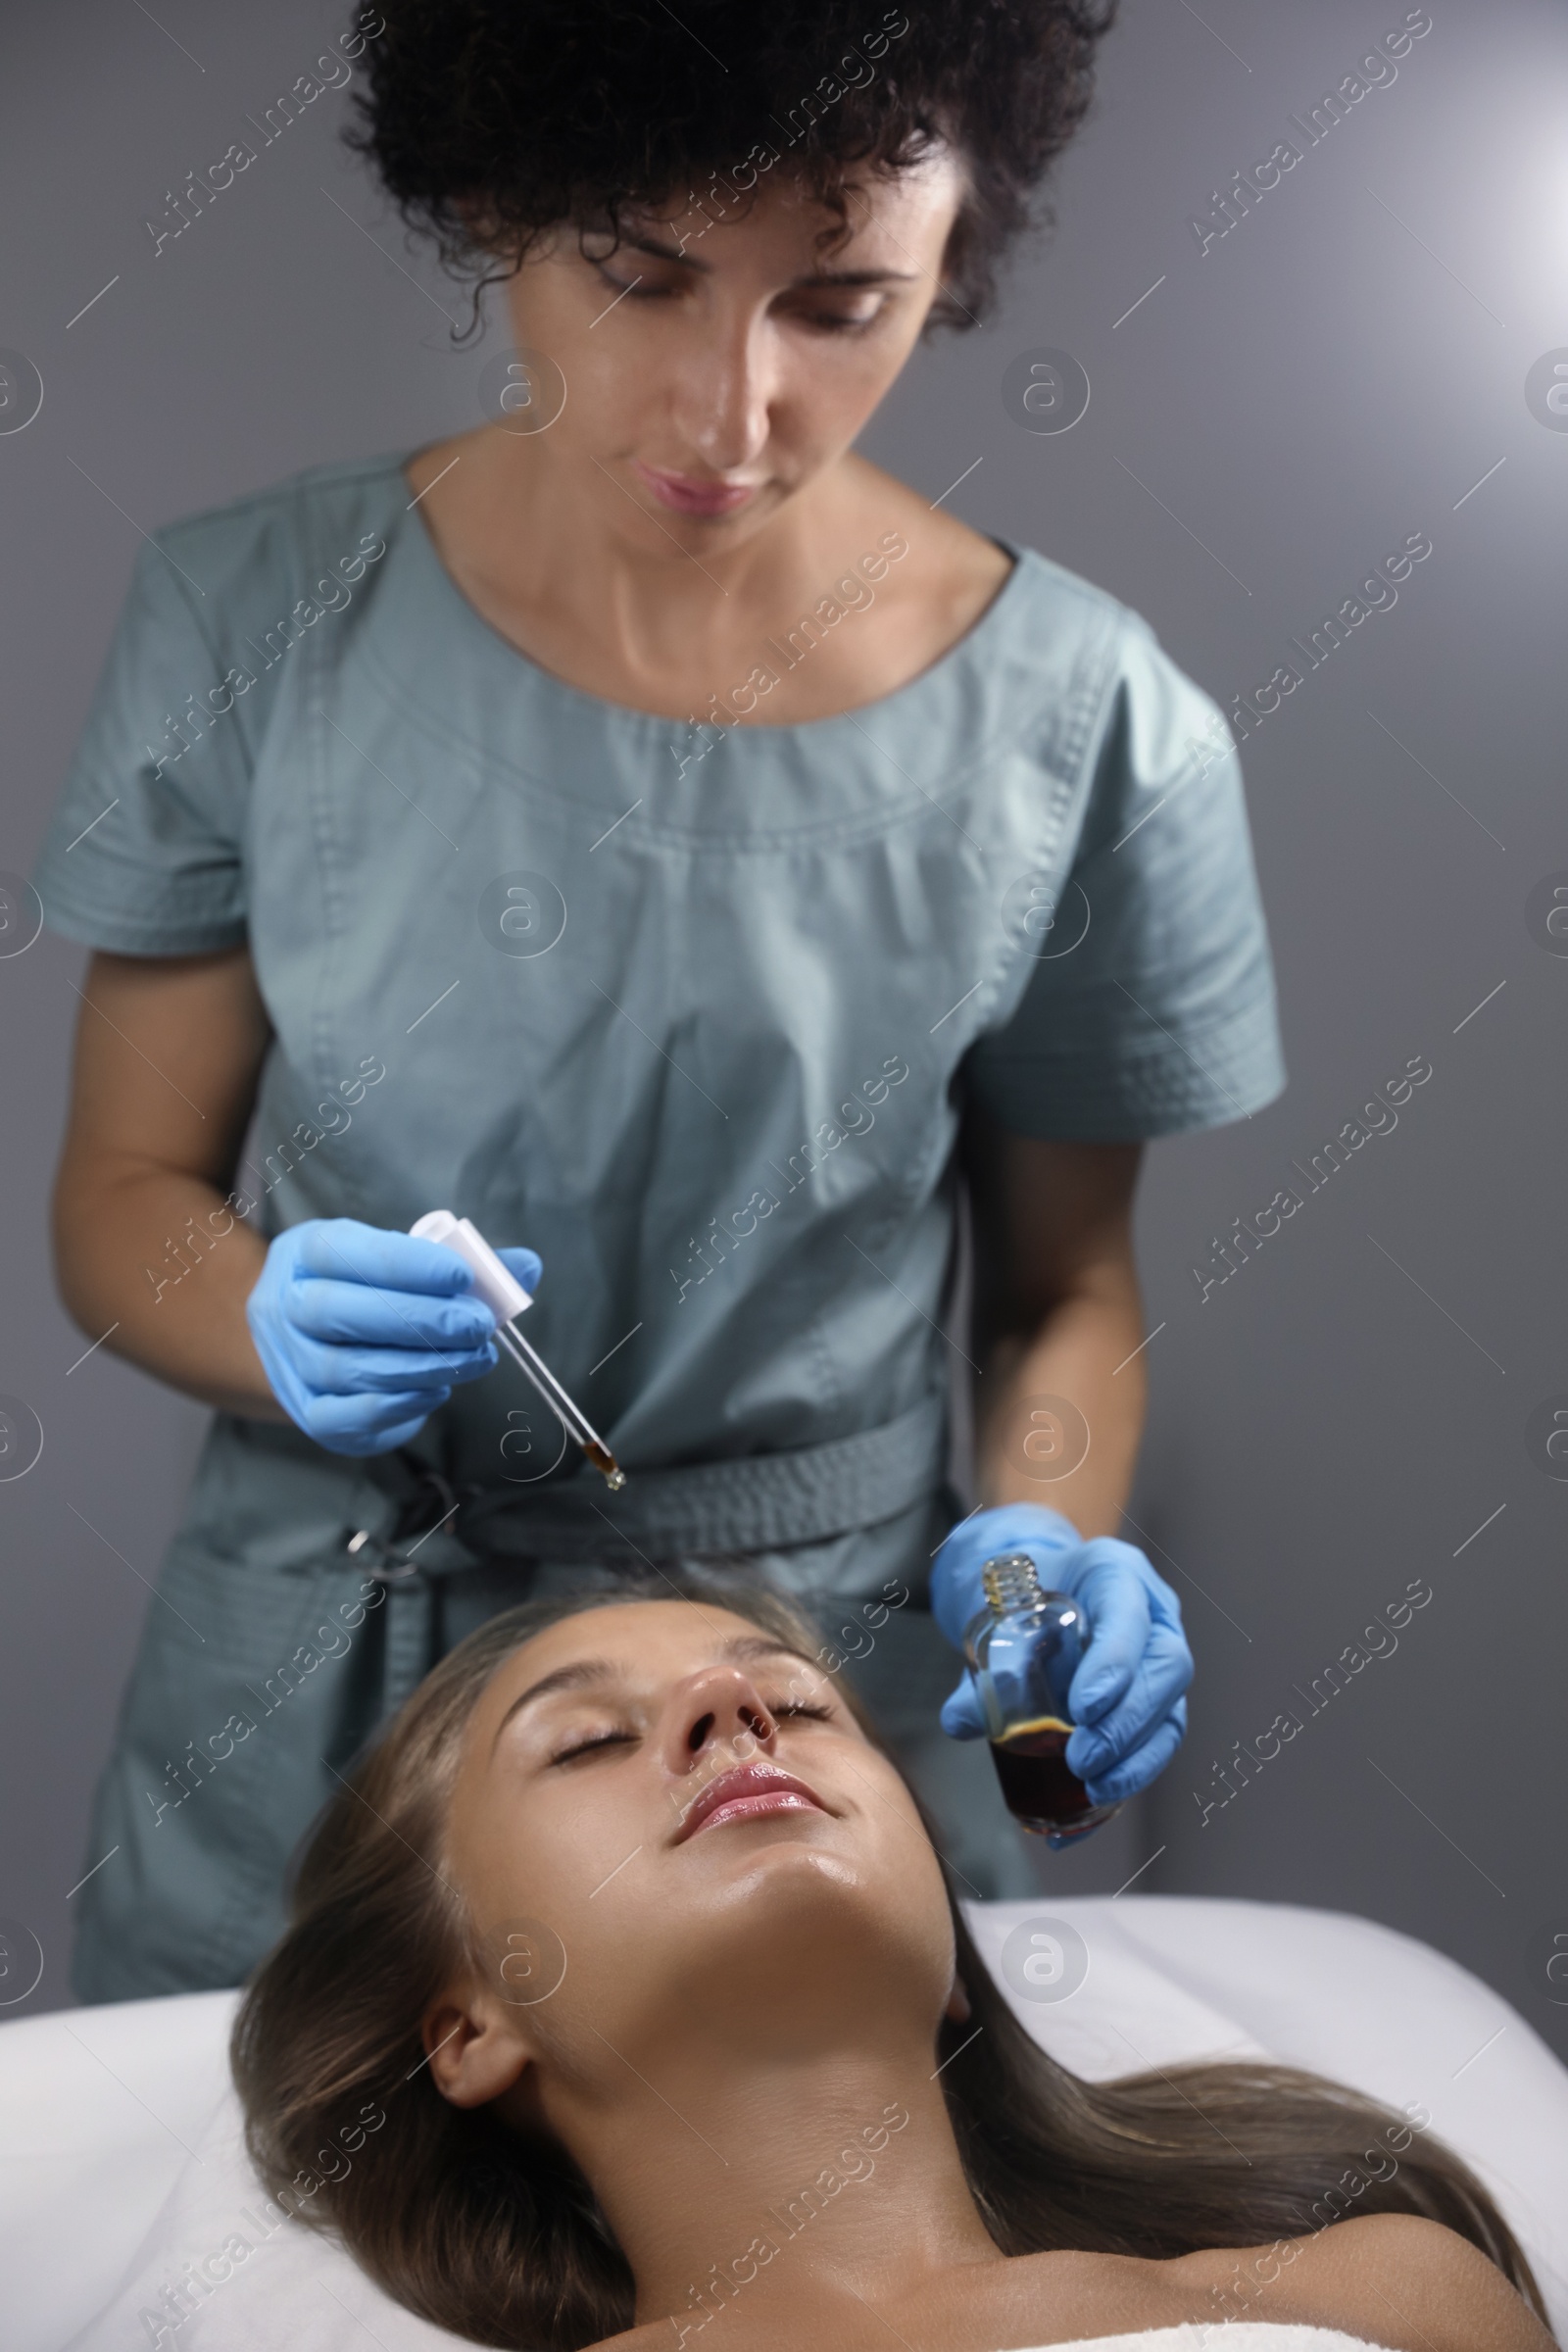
{"x": 1150, "y": 1007}
{"x": 143, "y": 853}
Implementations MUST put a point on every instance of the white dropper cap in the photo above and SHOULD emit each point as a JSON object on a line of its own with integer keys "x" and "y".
{"x": 501, "y": 1291}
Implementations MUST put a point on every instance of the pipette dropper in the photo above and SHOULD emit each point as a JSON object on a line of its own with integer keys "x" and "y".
{"x": 507, "y": 1299}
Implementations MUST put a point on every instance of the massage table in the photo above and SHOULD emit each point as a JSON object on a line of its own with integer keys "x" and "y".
{"x": 121, "y": 2158}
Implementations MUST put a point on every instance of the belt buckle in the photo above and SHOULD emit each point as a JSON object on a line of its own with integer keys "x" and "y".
{"x": 373, "y": 1556}
{"x": 432, "y": 1500}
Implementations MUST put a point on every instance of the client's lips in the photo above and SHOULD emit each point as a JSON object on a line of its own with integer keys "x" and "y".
{"x": 750, "y": 1789}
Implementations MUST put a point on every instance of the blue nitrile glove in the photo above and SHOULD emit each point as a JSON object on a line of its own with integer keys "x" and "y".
{"x": 363, "y": 1332}
{"x": 1126, "y": 1696}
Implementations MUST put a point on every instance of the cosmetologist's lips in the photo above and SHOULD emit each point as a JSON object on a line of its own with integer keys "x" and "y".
{"x": 688, "y": 495}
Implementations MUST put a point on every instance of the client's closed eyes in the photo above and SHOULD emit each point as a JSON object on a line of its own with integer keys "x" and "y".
{"x": 583, "y": 1747}
{"x": 782, "y": 1713}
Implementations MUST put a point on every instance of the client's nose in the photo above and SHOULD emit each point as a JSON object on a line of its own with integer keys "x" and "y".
{"x": 717, "y": 1708}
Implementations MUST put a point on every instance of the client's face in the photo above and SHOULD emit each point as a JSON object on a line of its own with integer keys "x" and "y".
{"x": 682, "y": 1831}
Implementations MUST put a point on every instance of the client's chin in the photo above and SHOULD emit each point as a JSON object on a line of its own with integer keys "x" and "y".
{"x": 804, "y": 1927}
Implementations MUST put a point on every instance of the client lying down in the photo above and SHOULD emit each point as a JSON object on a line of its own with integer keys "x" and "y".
{"x": 627, "y": 1969}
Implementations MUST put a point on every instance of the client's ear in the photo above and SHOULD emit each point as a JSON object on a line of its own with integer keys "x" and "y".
{"x": 475, "y": 2055}
{"x": 957, "y": 2008}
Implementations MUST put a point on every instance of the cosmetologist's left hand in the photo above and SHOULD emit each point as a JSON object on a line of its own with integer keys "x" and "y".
{"x": 1127, "y": 1695}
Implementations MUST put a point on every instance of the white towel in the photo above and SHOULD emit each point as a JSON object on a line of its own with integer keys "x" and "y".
{"x": 1235, "y": 2335}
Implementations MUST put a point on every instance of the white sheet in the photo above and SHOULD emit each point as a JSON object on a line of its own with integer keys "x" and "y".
{"x": 120, "y": 2161}
{"x": 1241, "y": 2336}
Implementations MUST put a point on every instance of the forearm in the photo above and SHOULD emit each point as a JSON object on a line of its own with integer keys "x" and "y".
{"x": 156, "y": 1265}
{"x": 1082, "y": 1353}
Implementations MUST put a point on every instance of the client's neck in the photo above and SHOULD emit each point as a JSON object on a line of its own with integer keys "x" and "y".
{"x": 801, "y": 2177}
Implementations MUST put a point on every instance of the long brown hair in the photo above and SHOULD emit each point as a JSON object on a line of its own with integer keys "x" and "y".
{"x": 498, "y": 2236}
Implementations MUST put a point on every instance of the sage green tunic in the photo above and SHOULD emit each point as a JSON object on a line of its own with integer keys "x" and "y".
{"x": 694, "y": 1013}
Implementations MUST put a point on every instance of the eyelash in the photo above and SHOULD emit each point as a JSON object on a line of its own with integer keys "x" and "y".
{"x": 826, "y": 321}
{"x": 780, "y": 1714}
{"x": 585, "y": 1746}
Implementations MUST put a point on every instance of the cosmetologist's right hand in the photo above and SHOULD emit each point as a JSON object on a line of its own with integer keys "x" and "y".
{"x": 363, "y": 1333}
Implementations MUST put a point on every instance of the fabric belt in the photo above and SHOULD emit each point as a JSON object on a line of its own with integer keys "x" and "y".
{"x": 420, "y": 1525}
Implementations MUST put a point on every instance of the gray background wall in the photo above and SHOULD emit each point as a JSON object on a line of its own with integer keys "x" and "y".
{"x": 1354, "y": 1408}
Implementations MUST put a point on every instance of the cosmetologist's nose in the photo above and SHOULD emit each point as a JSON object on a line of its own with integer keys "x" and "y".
{"x": 722, "y": 400}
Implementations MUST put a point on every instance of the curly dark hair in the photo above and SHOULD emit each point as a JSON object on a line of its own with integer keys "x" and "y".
{"x": 526, "y": 116}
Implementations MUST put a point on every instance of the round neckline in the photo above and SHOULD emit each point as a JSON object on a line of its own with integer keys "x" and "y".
{"x": 549, "y": 681}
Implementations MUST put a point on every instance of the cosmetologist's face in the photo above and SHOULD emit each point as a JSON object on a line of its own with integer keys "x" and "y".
{"x": 669, "y": 1827}
{"x": 715, "y": 366}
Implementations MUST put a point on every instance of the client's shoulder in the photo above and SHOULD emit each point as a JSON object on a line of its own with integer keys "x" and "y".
{"x": 1388, "y": 2280}
{"x": 1396, "y": 2279}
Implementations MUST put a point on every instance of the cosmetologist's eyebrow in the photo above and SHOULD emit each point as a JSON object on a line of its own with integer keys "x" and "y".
{"x": 585, "y": 1672}
{"x": 813, "y": 277}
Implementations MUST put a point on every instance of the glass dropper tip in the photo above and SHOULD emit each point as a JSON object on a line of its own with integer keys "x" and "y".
{"x": 604, "y": 1462}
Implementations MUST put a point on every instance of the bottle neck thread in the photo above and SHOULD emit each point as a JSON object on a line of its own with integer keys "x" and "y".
{"x": 1011, "y": 1583}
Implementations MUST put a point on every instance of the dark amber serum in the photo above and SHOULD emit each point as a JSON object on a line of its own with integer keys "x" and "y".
{"x": 1036, "y": 1784}
{"x": 1025, "y": 1647}
{"x": 604, "y": 1462}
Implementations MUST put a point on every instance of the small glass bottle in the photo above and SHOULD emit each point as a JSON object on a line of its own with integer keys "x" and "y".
{"x": 1024, "y": 1646}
